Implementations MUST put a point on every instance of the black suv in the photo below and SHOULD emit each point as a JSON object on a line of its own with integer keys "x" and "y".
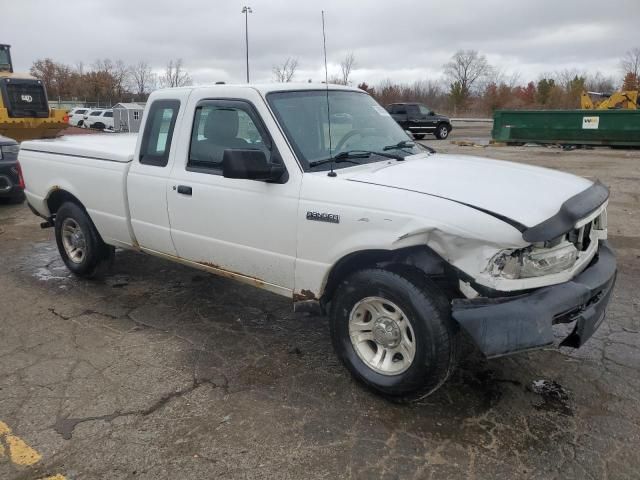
{"x": 11, "y": 183}
{"x": 420, "y": 120}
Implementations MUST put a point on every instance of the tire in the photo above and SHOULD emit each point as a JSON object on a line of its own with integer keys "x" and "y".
{"x": 80, "y": 122}
{"x": 74, "y": 228}
{"x": 442, "y": 131}
{"x": 418, "y": 136}
{"x": 428, "y": 326}
{"x": 98, "y": 126}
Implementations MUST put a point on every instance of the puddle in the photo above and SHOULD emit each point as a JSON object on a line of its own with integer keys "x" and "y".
{"x": 44, "y": 264}
{"x": 45, "y": 274}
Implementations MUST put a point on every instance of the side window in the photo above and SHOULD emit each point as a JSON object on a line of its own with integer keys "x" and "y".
{"x": 108, "y": 114}
{"x": 424, "y": 110}
{"x": 223, "y": 125}
{"x": 158, "y": 132}
{"x": 400, "y": 110}
{"x": 413, "y": 110}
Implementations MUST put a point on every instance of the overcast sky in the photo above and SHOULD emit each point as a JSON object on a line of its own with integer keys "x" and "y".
{"x": 399, "y": 39}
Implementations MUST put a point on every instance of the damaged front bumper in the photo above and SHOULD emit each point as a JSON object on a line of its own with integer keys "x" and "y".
{"x": 502, "y": 326}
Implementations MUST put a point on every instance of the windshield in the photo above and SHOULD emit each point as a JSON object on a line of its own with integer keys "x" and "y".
{"x": 4, "y": 59}
{"x": 358, "y": 123}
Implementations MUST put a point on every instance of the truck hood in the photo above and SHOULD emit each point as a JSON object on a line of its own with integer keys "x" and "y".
{"x": 522, "y": 195}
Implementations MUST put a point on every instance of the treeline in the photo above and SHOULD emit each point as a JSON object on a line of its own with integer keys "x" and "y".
{"x": 106, "y": 81}
{"x": 558, "y": 91}
{"x": 473, "y": 87}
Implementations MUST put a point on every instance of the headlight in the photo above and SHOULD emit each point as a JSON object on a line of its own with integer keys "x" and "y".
{"x": 533, "y": 262}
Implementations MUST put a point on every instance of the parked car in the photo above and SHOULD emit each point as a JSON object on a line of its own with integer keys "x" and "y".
{"x": 420, "y": 120}
{"x": 99, "y": 119}
{"x": 76, "y": 116}
{"x": 401, "y": 246}
{"x": 11, "y": 181}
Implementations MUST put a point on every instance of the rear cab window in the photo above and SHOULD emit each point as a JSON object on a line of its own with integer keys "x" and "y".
{"x": 158, "y": 132}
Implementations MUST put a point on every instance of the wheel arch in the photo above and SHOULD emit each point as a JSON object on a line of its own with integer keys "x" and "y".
{"x": 416, "y": 260}
{"x": 57, "y": 196}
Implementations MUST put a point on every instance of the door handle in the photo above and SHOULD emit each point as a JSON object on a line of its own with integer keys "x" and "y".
{"x": 185, "y": 190}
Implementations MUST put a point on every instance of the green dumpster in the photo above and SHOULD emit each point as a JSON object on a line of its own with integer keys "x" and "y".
{"x": 568, "y": 127}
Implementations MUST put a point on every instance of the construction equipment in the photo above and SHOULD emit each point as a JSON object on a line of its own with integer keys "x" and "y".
{"x": 24, "y": 108}
{"x": 625, "y": 100}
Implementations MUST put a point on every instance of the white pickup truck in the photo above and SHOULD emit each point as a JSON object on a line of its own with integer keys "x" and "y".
{"x": 315, "y": 193}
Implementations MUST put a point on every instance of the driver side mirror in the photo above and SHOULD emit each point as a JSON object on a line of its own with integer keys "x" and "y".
{"x": 250, "y": 165}
{"x": 432, "y": 113}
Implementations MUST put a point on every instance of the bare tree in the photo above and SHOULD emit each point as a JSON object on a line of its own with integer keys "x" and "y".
{"x": 599, "y": 83}
{"x": 120, "y": 78}
{"x": 142, "y": 78}
{"x": 347, "y": 65}
{"x": 175, "y": 75}
{"x": 467, "y": 68}
{"x": 284, "y": 73}
{"x": 45, "y": 70}
{"x": 630, "y": 63}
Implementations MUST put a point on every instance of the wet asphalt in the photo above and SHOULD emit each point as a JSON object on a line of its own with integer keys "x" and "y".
{"x": 158, "y": 371}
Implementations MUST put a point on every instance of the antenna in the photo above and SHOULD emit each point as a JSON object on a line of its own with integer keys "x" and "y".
{"x": 326, "y": 84}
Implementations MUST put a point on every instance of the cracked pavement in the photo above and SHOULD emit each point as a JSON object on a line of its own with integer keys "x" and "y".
{"x": 158, "y": 371}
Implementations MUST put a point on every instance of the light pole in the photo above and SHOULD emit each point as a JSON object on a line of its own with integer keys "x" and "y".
{"x": 246, "y": 10}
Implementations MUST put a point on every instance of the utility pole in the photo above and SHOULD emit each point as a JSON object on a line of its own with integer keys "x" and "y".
{"x": 246, "y": 10}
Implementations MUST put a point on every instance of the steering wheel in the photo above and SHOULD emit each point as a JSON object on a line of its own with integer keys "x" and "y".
{"x": 360, "y": 131}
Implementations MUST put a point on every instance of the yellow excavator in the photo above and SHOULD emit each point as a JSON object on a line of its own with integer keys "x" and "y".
{"x": 24, "y": 107}
{"x": 625, "y": 100}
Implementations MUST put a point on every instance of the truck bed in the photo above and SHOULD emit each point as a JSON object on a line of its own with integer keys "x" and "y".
{"x": 92, "y": 168}
{"x": 111, "y": 147}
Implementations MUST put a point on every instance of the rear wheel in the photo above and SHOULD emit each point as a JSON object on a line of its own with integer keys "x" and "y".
{"x": 98, "y": 126}
{"x": 394, "y": 333}
{"x": 79, "y": 243}
{"x": 442, "y": 131}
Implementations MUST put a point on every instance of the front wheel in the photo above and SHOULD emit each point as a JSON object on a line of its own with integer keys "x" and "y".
{"x": 442, "y": 131}
{"x": 79, "y": 243}
{"x": 394, "y": 332}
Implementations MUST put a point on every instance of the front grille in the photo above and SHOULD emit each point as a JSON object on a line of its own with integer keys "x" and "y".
{"x": 25, "y": 98}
